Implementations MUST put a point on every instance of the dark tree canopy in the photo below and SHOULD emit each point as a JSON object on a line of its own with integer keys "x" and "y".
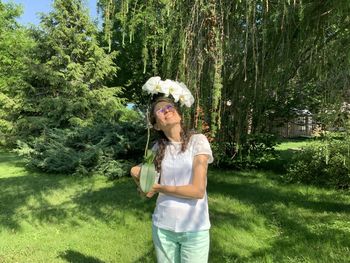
{"x": 263, "y": 57}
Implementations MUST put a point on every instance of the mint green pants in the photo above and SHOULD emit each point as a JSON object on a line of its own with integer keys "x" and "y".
{"x": 184, "y": 247}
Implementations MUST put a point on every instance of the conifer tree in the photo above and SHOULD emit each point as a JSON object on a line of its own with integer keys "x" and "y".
{"x": 15, "y": 45}
{"x": 68, "y": 73}
{"x": 71, "y": 121}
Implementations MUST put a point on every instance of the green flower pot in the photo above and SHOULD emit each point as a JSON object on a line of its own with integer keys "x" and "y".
{"x": 148, "y": 177}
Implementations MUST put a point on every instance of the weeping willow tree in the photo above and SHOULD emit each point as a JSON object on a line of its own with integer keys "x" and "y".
{"x": 246, "y": 62}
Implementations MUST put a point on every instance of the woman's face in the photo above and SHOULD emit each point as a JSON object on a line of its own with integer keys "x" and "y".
{"x": 166, "y": 115}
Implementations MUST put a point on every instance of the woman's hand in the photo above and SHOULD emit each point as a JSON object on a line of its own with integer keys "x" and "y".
{"x": 135, "y": 174}
{"x": 156, "y": 188}
{"x": 150, "y": 194}
{"x": 153, "y": 191}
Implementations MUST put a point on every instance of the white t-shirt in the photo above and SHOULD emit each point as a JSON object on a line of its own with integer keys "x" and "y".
{"x": 182, "y": 214}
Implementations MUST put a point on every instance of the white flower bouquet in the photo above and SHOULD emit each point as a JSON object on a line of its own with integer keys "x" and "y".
{"x": 177, "y": 90}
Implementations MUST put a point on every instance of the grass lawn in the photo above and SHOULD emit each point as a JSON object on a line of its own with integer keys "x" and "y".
{"x": 294, "y": 144}
{"x": 47, "y": 218}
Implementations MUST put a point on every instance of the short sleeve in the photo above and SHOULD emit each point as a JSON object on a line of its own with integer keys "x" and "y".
{"x": 201, "y": 146}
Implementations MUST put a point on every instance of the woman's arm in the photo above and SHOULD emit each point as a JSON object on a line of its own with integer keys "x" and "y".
{"x": 196, "y": 190}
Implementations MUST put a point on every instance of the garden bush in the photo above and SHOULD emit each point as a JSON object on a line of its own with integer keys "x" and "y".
{"x": 257, "y": 150}
{"x": 326, "y": 163}
{"x": 107, "y": 148}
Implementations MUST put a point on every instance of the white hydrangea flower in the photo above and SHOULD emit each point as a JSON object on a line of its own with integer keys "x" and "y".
{"x": 153, "y": 85}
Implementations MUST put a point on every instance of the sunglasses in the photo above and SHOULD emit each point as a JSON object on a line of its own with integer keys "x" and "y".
{"x": 162, "y": 110}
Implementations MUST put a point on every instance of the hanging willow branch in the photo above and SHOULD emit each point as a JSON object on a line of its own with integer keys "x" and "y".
{"x": 108, "y": 11}
{"x": 248, "y": 52}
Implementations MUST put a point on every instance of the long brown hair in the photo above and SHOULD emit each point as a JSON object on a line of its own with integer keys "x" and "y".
{"x": 162, "y": 140}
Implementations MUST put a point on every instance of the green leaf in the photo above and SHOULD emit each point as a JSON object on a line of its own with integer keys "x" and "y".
{"x": 150, "y": 155}
{"x": 148, "y": 176}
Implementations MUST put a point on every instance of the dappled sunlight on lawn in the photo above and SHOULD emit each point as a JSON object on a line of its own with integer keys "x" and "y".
{"x": 255, "y": 219}
{"x": 40, "y": 198}
{"x": 42, "y": 215}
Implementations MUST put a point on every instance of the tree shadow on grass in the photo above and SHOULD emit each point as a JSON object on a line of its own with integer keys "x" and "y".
{"x": 280, "y": 162}
{"x": 35, "y": 198}
{"x": 98, "y": 204}
{"x": 25, "y": 196}
{"x": 77, "y": 257}
{"x": 148, "y": 257}
{"x": 121, "y": 196}
{"x": 256, "y": 194}
{"x": 274, "y": 205}
{"x": 17, "y": 191}
{"x": 6, "y": 157}
{"x": 28, "y": 197}
{"x": 101, "y": 203}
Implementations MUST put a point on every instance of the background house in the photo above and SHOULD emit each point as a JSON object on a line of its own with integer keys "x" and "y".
{"x": 301, "y": 124}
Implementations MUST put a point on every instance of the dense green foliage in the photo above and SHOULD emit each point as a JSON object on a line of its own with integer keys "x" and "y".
{"x": 104, "y": 148}
{"x": 323, "y": 163}
{"x": 256, "y": 152}
{"x": 248, "y": 63}
{"x": 68, "y": 120}
{"x": 68, "y": 74}
{"x": 265, "y": 57}
{"x": 15, "y": 47}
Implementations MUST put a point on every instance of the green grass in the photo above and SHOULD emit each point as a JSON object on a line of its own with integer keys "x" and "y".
{"x": 257, "y": 220}
{"x": 48, "y": 218}
{"x": 285, "y": 151}
{"x": 293, "y": 144}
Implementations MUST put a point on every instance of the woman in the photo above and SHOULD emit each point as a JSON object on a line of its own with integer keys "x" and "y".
{"x": 181, "y": 220}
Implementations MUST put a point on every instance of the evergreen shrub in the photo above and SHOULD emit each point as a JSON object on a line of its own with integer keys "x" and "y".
{"x": 106, "y": 148}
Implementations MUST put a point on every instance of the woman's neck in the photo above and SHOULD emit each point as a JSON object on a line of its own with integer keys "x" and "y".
{"x": 173, "y": 134}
